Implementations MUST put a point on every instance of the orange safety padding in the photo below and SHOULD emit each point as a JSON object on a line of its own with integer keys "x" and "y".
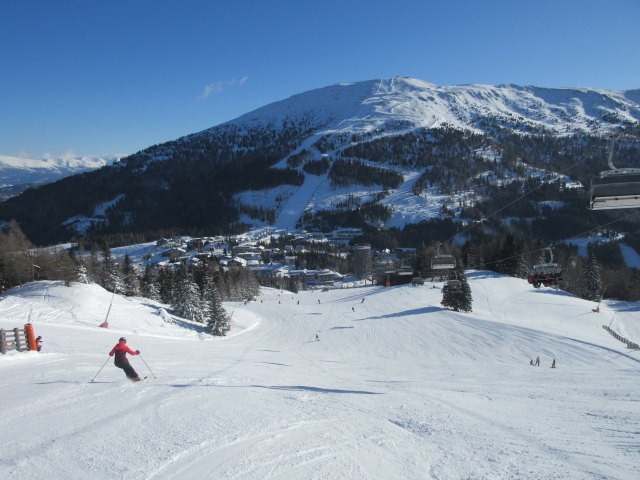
{"x": 31, "y": 337}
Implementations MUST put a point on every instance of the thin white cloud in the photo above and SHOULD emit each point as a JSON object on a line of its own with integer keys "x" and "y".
{"x": 218, "y": 87}
{"x": 211, "y": 88}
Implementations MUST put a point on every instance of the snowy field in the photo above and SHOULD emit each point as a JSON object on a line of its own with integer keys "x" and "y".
{"x": 395, "y": 388}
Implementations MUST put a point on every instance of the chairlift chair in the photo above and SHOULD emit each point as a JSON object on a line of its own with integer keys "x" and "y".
{"x": 452, "y": 286}
{"x": 405, "y": 271}
{"x": 443, "y": 262}
{"x": 615, "y": 188}
{"x": 547, "y": 274}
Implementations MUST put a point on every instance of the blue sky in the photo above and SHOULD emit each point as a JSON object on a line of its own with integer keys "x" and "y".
{"x": 111, "y": 77}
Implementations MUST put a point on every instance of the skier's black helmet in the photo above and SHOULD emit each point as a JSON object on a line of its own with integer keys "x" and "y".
{"x": 122, "y": 339}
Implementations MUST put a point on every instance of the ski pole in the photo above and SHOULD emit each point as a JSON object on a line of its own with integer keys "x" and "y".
{"x": 140, "y": 355}
{"x": 100, "y": 369}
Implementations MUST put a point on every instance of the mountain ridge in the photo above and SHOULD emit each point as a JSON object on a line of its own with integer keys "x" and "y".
{"x": 414, "y": 97}
{"x": 365, "y": 149}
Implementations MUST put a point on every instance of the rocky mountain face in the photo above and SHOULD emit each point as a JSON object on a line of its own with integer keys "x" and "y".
{"x": 383, "y": 154}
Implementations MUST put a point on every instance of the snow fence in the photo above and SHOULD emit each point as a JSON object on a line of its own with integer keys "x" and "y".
{"x": 20, "y": 339}
{"x": 629, "y": 343}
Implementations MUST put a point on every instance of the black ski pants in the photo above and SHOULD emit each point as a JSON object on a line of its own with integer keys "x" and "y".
{"x": 128, "y": 370}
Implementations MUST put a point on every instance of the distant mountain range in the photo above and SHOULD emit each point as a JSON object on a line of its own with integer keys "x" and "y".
{"x": 19, "y": 173}
{"x": 380, "y": 153}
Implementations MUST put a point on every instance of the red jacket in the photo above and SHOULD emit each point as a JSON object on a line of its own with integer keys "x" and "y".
{"x": 120, "y": 351}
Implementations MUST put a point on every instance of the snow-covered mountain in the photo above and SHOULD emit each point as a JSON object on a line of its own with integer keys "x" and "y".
{"x": 349, "y": 113}
{"x": 18, "y": 173}
{"x": 402, "y": 149}
{"x": 407, "y": 103}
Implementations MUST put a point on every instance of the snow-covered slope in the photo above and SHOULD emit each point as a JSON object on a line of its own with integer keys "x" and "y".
{"x": 385, "y": 107}
{"x": 395, "y": 388}
{"x": 402, "y": 103}
{"x": 21, "y": 171}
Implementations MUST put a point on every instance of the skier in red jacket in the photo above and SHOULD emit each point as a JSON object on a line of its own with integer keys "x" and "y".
{"x": 120, "y": 351}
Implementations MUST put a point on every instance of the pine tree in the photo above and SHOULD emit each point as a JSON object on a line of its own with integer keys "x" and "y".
{"x": 633, "y": 286}
{"x": 16, "y": 257}
{"x": 82, "y": 270}
{"x": 93, "y": 266}
{"x": 187, "y": 302}
{"x": 81, "y": 273}
{"x": 222, "y": 287}
{"x": 130, "y": 278}
{"x": 459, "y": 300}
{"x": 591, "y": 284}
{"x": 466, "y": 298}
{"x": 65, "y": 267}
{"x": 573, "y": 273}
{"x": 109, "y": 277}
{"x": 165, "y": 281}
{"x": 449, "y": 299}
{"x": 148, "y": 285}
{"x": 294, "y": 284}
{"x": 522, "y": 265}
{"x": 218, "y": 321}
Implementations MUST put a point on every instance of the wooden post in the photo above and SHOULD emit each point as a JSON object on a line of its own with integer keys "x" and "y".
{"x": 3, "y": 341}
{"x": 31, "y": 337}
{"x": 16, "y": 334}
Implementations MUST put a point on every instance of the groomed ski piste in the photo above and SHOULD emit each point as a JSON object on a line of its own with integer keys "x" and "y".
{"x": 395, "y": 388}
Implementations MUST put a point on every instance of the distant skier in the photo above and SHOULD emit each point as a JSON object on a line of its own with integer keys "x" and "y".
{"x": 362, "y": 300}
{"x": 318, "y": 300}
{"x": 537, "y": 361}
{"x": 39, "y": 343}
{"x": 553, "y": 364}
{"x": 317, "y": 338}
{"x": 531, "y": 362}
{"x": 121, "y": 361}
{"x": 298, "y": 302}
{"x": 353, "y": 309}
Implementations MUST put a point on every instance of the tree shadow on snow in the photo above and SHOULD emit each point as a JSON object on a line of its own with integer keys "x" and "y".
{"x": 482, "y": 274}
{"x": 405, "y": 313}
{"x": 551, "y": 291}
{"x": 72, "y": 382}
{"x": 59, "y": 381}
{"x": 276, "y": 387}
{"x": 624, "y": 306}
{"x": 316, "y": 389}
{"x": 187, "y": 325}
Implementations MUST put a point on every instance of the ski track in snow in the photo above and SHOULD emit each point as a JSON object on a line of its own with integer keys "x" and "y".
{"x": 398, "y": 388}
